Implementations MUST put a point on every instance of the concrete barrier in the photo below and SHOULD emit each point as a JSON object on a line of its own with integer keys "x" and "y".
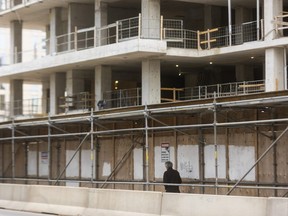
{"x": 277, "y": 207}
{"x": 91, "y": 202}
{"x": 47, "y": 199}
{"x": 57, "y": 200}
{"x": 212, "y": 205}
{"x": 79, "y": 201}
{"x": 119, "y": 202}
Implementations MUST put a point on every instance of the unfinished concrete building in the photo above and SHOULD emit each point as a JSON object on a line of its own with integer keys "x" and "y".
{"x": 130, "y": 84}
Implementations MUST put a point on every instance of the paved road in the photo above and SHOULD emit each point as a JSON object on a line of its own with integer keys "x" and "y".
{"x": 17, "y": 213}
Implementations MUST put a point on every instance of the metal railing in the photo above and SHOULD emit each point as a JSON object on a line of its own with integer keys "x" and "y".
{"x": 24, "y": 108}
{"x": 221, "y": 90}
{"x": 128, "y": 28}
{"x": 132, "y": 97}
{"x": 64, "y": 43}
{"x": 188, "y": 41}
{"x": 83, "y": 101}
{"x": 172, "y": 29}
{"x": 178, "y": 37}
{"x": 123, "y": 98}
{"x": 220, "y": 37}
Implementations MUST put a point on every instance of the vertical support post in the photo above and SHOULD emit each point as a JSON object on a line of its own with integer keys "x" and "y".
{"x": 146, "y": 148}
{"x": 75, "y": 39}
{"x": 230, "y": 22}
{"x": 174, "y": 94}
{"x": 198, "y": 40}
{"x": 15, "y": 55}
{"x": 26, "y": 160}
{"x": 117, "y": 31}
{"x": 13, "y": 149}
{"x": 92, "y": 145}
{"x": 201, "y": 156}
{"x": 274, "y": 150}
{"x": 161, "y": 28}
{"x": 120, "y": 98}
{"x": 49, "y": 147}
{"x": 95, "y": 36}
{"x": 55, "y": 45}
{"x": 215, "y": 143}
{"x": 258, "y": 18}
{"x": 185, "y": 38}
{"x": 285, "y": 68}
{"x": 262, "y": 29}
{"x": 139, "y": 25}
{"x": 208, "y": 39}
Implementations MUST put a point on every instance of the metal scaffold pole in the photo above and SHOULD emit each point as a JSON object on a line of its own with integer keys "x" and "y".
{"x": 92, "y": 146}
{"x": 13, "y": 150}
{"x": 49, "y": 148}
{"x": 215, "y": 143}
{"x": 146, "y": 148}
{"x": 258, "y": 18}
{"x": 230, "y": 22}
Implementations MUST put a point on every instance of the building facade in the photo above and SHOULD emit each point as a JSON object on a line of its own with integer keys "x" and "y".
{"x": 102, "y": 55}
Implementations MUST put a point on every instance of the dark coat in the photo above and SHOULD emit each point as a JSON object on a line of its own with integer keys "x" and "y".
{"x": 172, "y": 176}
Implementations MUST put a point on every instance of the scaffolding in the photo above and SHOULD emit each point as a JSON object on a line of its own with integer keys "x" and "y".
{"x": 95, "y": 129}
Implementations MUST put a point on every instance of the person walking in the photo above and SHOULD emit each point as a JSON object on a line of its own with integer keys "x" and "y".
{"x": 171, "y": 176}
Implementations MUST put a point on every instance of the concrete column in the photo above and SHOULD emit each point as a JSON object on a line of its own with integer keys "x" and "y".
{"x": 57, "y": 89}
{"x": 45, "y": 96}
{"x": 55, "y": 28}
{"x": 47, "y": 31}
{"x": 151, "y": 82}
{"x": 16, "y": 97}
{"x": 75, "y": 81}
{"x": 150, "y": 10}
{"x": 103, "y": 82}
{"x": 272, "y": 8}
{"x": 75, "y": 84}
{"x": 208, "y": 17}
{"x": 274, "y": 57}
{"x": 101, "y": 19}
{"x": 244, "y": 73}
{"x": 274, "y": 69}
{"x": 101, "y": 13}
{"x": 16, "y": 41}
